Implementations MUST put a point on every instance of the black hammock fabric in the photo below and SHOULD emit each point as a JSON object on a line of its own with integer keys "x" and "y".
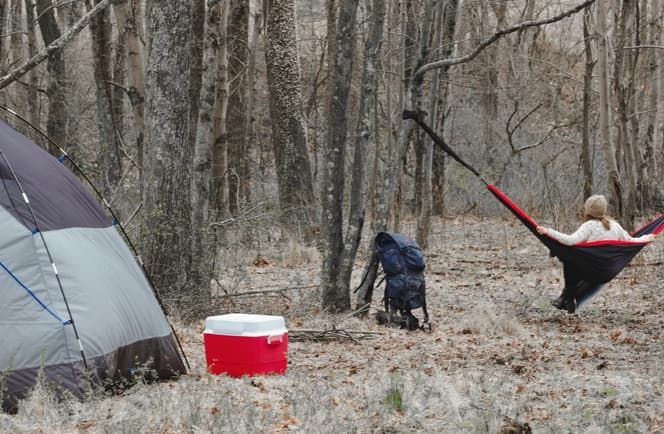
{"x": 598, "y": 261}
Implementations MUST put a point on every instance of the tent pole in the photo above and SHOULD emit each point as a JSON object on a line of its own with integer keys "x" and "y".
{"x": 50, "y": 257}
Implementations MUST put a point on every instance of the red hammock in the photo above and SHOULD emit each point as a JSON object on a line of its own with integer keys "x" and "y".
{"x": 598, "y": 261}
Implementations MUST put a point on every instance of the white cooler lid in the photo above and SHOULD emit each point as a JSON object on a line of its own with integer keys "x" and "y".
{"x": 243, "y": 324}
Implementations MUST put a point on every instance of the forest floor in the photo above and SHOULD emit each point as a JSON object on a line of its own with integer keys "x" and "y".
{"x": 500, "y": 358}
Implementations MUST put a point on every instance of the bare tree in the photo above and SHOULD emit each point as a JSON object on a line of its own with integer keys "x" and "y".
{"x": 363, "y": 130}
{"x": 654, "y": 129}
{"x": 335, "y": 298}
{"x": 17, "y": 45}
{"x": 447, "y": 44}
{"x": 32, "y": 99}
{"x": 202, "y": 161}
{"x": 237, "y": 151}
{"x": 198, "y": 14}
{"x": 166, "y": 193}
{"x": 220, "y": 113}
{"x": 615, "y": 186}
{"x": 388, "y": 188}
{"x": 289, "y": 141}
{"x": 56, "y": 91}
{"x": 586, "y": 162}
{"x": 4, "y": 41}
{"x": 129, "y": 20}
{"x": 425, "y": 159}
{"x": 109, "y": 164}
{"x": 623, "y": 82}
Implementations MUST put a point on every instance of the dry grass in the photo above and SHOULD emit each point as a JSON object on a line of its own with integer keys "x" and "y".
{"x": 298, "y": 254}
{"x": 499, "y": 356}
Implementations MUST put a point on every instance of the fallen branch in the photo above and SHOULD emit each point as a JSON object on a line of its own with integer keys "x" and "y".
{"x": 348, "y": 315}
{"x": 267, "y": 291}
{"x": 331, "y": 335}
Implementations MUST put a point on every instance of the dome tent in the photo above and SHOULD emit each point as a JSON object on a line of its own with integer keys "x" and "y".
{"x": 75, "y": 303}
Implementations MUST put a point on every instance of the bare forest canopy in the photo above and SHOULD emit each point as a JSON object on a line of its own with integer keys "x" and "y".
{"x": 205, "y": 124}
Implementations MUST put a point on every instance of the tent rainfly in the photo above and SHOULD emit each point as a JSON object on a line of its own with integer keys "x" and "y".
{"x": 75, "y": 304}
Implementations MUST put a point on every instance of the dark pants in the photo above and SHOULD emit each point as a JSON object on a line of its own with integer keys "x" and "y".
{"x": 576, "y": 288}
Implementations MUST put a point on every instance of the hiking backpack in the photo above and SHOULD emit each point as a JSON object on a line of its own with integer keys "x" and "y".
{"x": 405, "y": 290}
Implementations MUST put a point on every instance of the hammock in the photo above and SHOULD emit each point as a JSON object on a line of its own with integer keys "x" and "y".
{"x": 598, "y": 262}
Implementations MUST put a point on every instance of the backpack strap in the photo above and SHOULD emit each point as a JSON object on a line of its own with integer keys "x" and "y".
{"x": 424, "y": 309}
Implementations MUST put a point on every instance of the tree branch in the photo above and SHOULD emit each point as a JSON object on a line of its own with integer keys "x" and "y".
{"x": 499, "y": 34}
{"x": 56, "y": 45}
{"x": 510, "y": 131}
{"x": 638, "y": 47}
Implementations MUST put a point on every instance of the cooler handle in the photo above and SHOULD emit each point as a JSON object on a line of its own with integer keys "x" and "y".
{"x": 272, "y": 338}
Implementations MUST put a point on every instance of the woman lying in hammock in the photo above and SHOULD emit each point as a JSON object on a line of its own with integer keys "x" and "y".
{"x": 596, "y": 227}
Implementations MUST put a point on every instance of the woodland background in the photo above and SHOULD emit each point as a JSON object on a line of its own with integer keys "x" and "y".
{"x": 251, "y": 150}
{"x": 208, "y": 124}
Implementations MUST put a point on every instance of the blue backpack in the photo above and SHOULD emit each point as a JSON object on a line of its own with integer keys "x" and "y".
{"x": 405, "y": 290}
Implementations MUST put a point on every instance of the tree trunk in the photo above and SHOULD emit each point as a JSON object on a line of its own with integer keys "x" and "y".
{"x": 129, "y": 20}
{"x": 586, "y": 162}
{"x": 386, "y": 193}
{"x": 220, "y": 114}
{"x": 363, "y": 132}
{"x": 448, "y": 44}
{"x": 335, "y": 298}
{"x": 118, "y": 94}
{"x": 32, "y": 76}
{"x": 108, "y": 155}
{"x": 196, "y": 63}
{"x": 238, "y": 176}
{"x": 425, "y": 208}
{"x": 17, "y": 44}
{"x": 409, "y": 39}
{"x": 623, "y": 88}
{"x": 202, "y": 161}
{"x": 656, "y": 83}
{"x": 252, "y": 89}
{"x": 659, "y": 125}
{"x": 489, "y": 104}
{"x": 56, "y": 90}
{"x": 289, "y": 141}
{"x": 4, "y": 41}
{"x": 615, "y": 186}
{"x": 166, "y": 193}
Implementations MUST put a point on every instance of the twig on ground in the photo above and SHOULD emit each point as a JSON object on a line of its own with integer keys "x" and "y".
{"x": 348, "y": 315}
{"x": 265, "y": 291}
{"x": 331, "y": 334}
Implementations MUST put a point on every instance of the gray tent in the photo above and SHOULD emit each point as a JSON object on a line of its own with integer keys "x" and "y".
{"x": 73, "y": 300}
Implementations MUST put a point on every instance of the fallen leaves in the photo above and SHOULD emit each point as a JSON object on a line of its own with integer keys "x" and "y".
{"x": 86, "y": 424}
{"x": 261, "y": 262}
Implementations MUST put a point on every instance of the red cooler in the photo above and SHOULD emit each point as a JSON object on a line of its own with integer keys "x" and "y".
{"x": 239, "y": 344}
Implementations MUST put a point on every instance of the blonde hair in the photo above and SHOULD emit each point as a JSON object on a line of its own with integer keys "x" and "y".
{"x": 606, "y": 222}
